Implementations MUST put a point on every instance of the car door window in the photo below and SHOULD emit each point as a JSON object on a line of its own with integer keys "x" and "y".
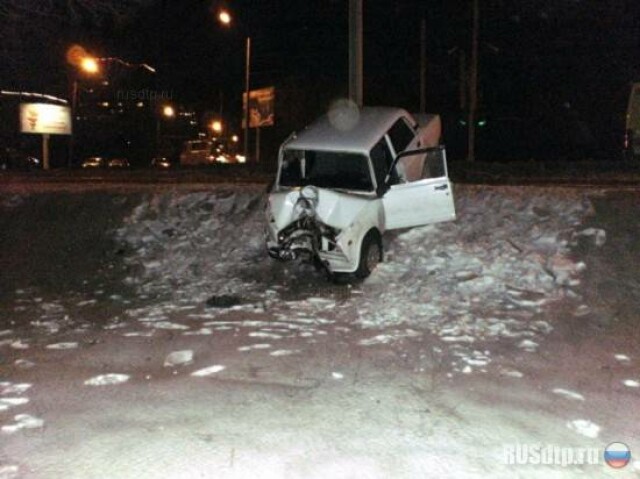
{"x": 420, "y": 166}
{"x": 435, "y": 165}
{"x": 400, "y": 135}
{"x": 382, "y": 160}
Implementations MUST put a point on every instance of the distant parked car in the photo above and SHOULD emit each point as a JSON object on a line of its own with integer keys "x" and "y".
{"x": 12, "y": 159}
{"x": 94, "y": 162}
{"x": 118, "y": 163}
{"x": 161, "y": 163}
{"x": 197, "y": 152}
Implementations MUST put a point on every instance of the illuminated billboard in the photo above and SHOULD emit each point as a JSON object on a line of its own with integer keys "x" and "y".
{"x": 261, "y": 105}
{"x": 45, "y": 119}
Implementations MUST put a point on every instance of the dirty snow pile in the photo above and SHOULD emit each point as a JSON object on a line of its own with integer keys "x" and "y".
{"x": 490, "y": 274}
{"x": 187, "y": 245}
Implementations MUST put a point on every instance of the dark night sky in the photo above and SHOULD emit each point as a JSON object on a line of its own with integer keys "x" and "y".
{"x": 536, "y": 55}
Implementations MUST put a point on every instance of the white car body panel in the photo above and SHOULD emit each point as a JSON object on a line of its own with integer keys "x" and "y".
{"x": 343, "y": 217}
{"x": 418, "y": 203}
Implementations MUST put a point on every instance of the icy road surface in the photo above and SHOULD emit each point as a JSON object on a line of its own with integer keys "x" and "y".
{"x": 148, "y": 335}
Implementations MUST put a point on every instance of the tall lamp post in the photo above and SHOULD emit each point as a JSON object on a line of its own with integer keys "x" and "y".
{"x": 224, "y": 17}
{"x": 85, "y": 63}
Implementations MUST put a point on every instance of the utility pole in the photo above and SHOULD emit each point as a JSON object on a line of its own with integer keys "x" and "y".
{"x": 247, "y": 76}
{"x": 473, "y": 83}
{"x": 463, "y": 83}
{"x": 423, "y": 65}
{"x": 355, "y": 51}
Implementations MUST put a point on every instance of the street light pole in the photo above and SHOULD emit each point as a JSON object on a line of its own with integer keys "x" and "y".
{"x": 247, "y": 74}
{"x": 355, "y": 52}
{"x": 88, "y": 64}
{"x": 473, "y": 83}
{"x": 74, "y": 103}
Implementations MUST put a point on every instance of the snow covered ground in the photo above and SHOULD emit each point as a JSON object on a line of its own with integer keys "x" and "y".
{"x": 487, "y": 277}
{"x": 189, "y": 353}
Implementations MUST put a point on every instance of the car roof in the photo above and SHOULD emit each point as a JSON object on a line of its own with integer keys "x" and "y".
{"x": 372, "y": 124}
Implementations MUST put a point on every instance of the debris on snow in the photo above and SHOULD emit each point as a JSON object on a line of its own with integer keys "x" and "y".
{"x": 14, "y": 401}
{"x": 23, "y": 421}
{"x": 263, "y": 334}
{"x": 19, "y": 345}
{"x": 568, "y": 394}
{"x": 8, "y": 471}
{"x": 584, "y": 427}
{"x": 24, "y": 363}
{"x": 13, "y": 388}
{"x": 254, "y": 346}
{"x": 199, "y": 332}
{"x": 284, "y": 352}
{"x": 166, "y": 325}
{"x": 136, "y": 334}
{"x": 179, "y": 358}
{"x": 599, "y": 235}
{"x": 223, "y": 301}
{"x": 582, "y": 310}
{"x": 107, "y": 379}
{"x": 511, "y": 373}
{"x": 69, "y": 345}
{"x": 528, "y": 345}
{"x": 389, "y": 337}
{"x": 208, "y": 371}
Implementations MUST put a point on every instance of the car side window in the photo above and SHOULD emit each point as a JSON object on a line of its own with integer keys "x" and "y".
{"x": 382, "y": 159}
{"x": 400, "y": 135}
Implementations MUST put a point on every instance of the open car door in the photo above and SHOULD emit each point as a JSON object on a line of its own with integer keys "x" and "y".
{"x": 423, "y": 193}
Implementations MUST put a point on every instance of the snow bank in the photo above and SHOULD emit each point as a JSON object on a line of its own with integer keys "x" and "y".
{"x": 505, "y": 257}
{"x": 187, "y": 245}
{"x": 489, "y": 275}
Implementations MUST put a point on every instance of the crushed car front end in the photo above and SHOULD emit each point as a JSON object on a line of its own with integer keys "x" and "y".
{"x": 321, "y": 226}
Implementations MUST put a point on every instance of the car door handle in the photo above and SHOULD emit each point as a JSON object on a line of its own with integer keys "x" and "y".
{"x": 441, "y": 187}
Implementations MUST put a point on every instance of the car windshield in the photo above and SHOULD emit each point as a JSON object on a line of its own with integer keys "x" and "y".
{"x": 326, "y": 169}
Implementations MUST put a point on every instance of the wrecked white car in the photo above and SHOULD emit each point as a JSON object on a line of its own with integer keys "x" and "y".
{"x": 338, "y": 189}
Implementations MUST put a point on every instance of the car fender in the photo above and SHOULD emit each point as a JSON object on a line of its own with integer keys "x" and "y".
{"x": 351, "y": 238}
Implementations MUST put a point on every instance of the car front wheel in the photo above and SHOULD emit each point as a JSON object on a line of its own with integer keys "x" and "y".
{"x": 370, "y": 254}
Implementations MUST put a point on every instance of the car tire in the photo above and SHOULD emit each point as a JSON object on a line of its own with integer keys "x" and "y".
{"x": 371, "y": 254}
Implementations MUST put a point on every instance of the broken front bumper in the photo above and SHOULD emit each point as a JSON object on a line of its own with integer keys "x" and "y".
{"x": 310, "y": 240}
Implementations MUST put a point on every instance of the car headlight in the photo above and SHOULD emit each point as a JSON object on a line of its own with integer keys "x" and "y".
{"x": 307, "y": 202}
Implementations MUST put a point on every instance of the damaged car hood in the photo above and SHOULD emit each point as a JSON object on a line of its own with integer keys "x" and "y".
{"x": 335, "y": 209}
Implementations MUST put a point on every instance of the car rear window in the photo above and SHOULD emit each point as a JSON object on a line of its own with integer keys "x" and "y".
{"x": 400, "y": 135}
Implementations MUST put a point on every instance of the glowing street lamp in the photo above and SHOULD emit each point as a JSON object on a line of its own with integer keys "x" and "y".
{"x": 89, "y": 65}
{"x": 168, "y": 111}
{"x": 216, "y": 126}
{"x": 224, "y": 17}
{"x": 83, "y": 62}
